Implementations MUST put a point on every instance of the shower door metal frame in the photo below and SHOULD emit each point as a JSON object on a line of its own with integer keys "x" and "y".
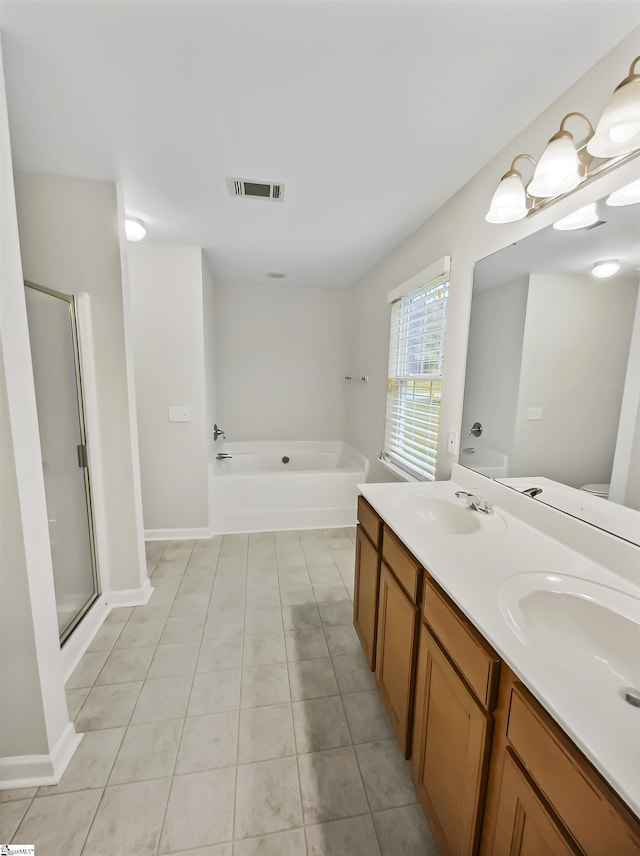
{"x": 82, "y": 456}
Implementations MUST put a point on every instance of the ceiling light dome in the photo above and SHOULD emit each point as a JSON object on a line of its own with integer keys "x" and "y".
{"x": 603, "y": 270}
{"x": 134, "y": 229}
{"x": 627, "y": 195}
{"x": 618, "y": 131}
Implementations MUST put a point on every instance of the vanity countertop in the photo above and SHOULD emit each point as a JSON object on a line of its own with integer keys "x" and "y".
{"x": 537, "y": 600}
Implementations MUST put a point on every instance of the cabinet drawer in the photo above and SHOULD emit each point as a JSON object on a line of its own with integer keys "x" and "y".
{"x": 404, "y": 566}
{"x": 594, "y": 816}
{"x": 369, "y": 521}
{"x": 473, "y": 656}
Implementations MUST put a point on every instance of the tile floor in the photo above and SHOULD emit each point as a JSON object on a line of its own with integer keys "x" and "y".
{"x": 234, "y": 715}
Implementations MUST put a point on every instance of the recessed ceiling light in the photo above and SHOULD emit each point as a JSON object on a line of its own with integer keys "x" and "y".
{"x": 276, "y": 275}
{"x": 603, "y": 270}
{"x": 627, "y": 195}
{"x": 580, "y": 219}
{"x": 134, "y": 229}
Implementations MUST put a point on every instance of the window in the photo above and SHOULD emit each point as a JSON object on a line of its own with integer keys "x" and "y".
{"x": 414, "y": 390}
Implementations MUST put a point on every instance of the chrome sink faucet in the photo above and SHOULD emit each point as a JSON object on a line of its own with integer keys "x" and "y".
{"x": 474, "y": 502}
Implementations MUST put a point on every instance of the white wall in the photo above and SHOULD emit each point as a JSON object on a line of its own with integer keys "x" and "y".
{"x": 459, "y": 229}
{"x": 625, "y": 476}
{"x": 494, "y": 352}
{"x": 209, "y": 312}
{"x": 574, "y": 360}
{"x": 281, "y": 358}
{"x": 69, "y": 241}
{"x": 166, "y": 284}
{"x": 33, "y": 711}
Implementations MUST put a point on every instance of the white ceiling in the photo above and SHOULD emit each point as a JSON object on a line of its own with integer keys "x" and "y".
{"x": 372, "y": 113}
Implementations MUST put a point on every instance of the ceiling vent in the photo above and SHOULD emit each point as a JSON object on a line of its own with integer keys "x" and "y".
{"x": 255, "y": 189}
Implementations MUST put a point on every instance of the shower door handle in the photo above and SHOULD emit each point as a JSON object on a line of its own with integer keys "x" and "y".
{"x": 83, "y": 462}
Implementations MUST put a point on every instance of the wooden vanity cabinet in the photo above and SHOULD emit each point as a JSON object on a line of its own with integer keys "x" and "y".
{"x": 400, "y": 588}
{"x": 367, "y": 579}
{"x": 544, "y": 795}
{"x": 456, "y": 686}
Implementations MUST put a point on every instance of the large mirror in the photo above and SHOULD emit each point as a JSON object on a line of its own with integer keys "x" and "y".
{"x": 553, "y": 370}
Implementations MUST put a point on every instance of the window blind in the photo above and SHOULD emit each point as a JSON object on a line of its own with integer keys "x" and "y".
{"x": 414, "y": 390}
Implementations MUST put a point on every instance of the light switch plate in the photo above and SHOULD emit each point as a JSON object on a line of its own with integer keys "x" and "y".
{"x": 534, "y": 413}
{"x": 452, "y": 442}
{"x": 179, "y": 414}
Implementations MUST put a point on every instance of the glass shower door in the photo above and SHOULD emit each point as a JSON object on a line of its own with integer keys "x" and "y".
{"x": 56, "y": 369}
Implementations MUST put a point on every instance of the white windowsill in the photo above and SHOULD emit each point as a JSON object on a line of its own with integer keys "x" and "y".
{"x": 397, "y": 471}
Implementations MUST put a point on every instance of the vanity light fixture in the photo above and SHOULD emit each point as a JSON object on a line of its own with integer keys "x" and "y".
{"x": 604, "y": 270}
{"x": 627, "y": 195}
{"x": 564, "y": 166}
{"x": 509, "y": 202}
{"x": 618, "y": 131}
{"x": 134, "y": 229}
{"x": 580, "y": 219}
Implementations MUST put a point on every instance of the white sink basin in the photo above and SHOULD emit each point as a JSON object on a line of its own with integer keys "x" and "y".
{"x": 450, "y": 517}
{"x": 581, "y": 624}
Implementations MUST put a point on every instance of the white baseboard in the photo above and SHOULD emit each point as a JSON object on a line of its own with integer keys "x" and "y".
{"x": 30, "y": 771}
{"x": 196, "y": 534}
{"x": 130, "y": 597}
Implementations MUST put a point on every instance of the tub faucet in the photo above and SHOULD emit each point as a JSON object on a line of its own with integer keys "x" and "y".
{"x": 474, "y": 502}
{"x": 532, "y": 491}
{"x": 223, "y": 456}
{"x": 218, "y": 432}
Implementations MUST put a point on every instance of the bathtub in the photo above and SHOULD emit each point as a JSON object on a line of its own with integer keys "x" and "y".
{"x": 487, "y": 462}
{"x": 266, "y": 486}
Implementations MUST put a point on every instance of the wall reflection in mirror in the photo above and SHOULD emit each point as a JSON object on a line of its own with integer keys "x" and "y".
{"x": 553, "y": 367}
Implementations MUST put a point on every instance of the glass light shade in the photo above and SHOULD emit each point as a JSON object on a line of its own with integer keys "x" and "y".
{"x": 134, "y": 229}
{"x": 627, "y": 195}
{"x": 558, "y": 170}
{"x": 509, "y": 202}
{"x": 618, "y": 131}
{"x": 603, "y": 270}
{"x": 580, "y": 219}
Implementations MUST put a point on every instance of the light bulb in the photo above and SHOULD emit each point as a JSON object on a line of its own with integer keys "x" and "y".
{"x": 134, "y": 229}
{"x": 580, "y": 219}
{"x": 618, "y": 131}
{"x": 509, "y": 202}
{"x": 558, "y": 170}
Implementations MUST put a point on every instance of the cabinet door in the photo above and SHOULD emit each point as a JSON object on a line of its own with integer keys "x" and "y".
{"x": 395, "y": 654}
{"x": 523, "y": 825}
{"x": 450, "y": 756}
{"x": 365, "y": 596}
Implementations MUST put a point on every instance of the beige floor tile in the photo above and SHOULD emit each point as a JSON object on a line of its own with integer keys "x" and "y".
{"x": 330, "y": 592}
{"x": 202, "y": 564}
{"x": 178, "y": 658}
{"x": 163, "y": 698}
{"x": 342, "y": 639}
{"x": 75, "y": 700}
{"x": 312, "y": 679}
{"x": 214, "y": 692}
{"x": 196, "y": 584}
{"x": 11, "y": 813}
{"x": 190, "y": 604}
{"x": 169, "y": 568}
{"x": 106, "y": 637}
{"x": 296, "y": 575}
{"x": 331, "y": 786}
{"x": 87, "y": 670}
{"x": 131, "y": 816}
{"x": 213, "y": 850}
{"x": 126, "y": 664}
{"x": 297, "y": 595}
{"x": 41, "y": 825}
{"x": 306, "y": 644}
{"x": 140, "y": 633}
{"x": 260, "y": 650}
{"x": 386, "y": 775}
{"x": 367, "y": 717}
{"x": 108, "y": 707}
{"x": 289, "y": 553}
{"x": 404, "y": 830}
{"x": 14, "y": 794}
{"x": 183, "y": 629}
{"x": 355, "y": 836}
{"x": 290, "y": 843}
{"x": 265, "y": 733}
{"x": 258, "y": 622}
{"x": 119, "y": 615}
{"x": 226, "y": 601}
{"x": 301, "y": 617}
{"x": 220, "y": 625}
{"x": 218, "y": 654}
{"x": 267, "y": 798}
{"x": 320, "y": 724}
{"x": 91, "y": 762}
{"x": 148, "y": 751}
{"x": 263, "y": 685}
{"x": 263, "y": 597}
{"x": 199, "y": 811}
{"x": 324, "y": 573}
{"x": 336, "y": 613}
{"x": 208, "y": 742}
{"x": 353, "y": 673}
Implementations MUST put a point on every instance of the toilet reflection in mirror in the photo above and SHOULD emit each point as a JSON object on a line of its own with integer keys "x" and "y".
{"x": 553, "y": 363}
